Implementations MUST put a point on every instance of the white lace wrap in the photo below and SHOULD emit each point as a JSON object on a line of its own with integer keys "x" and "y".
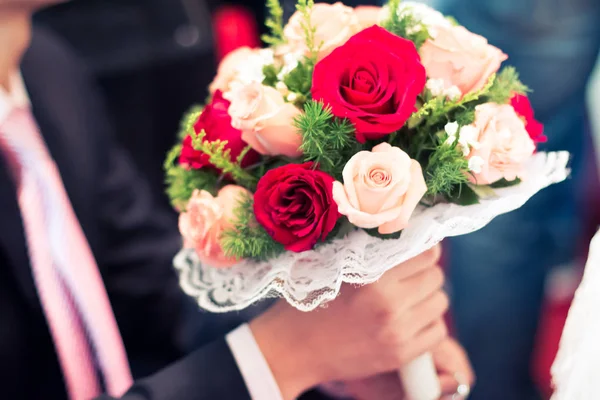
{"x": 312, "y": 278}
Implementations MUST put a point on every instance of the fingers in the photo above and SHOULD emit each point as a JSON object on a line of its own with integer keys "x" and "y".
{"x": 415, "y": 265}
{"x": 451, "y": 358}
{"x": 454, "y": 366}
{"x": 424, "y": 341}
{"x": 425, "y": 313}
{"x": 419, "y": 288}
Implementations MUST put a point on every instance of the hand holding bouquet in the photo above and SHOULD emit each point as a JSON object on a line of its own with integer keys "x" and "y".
{"x": 358, "y": 139}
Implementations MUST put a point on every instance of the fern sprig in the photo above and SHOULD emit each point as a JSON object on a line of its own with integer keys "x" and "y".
{"x": 275, "y": 24}
{"x": 326, "y": 140}
{"x": 305, "y": 7}
{"x": 447, "y": 168}
{"x": 247, "y": 238}
{"x": 220, "y": 158}
{"x": 181, "y": 182}
{"x": 438, "y": 108}
{"x": 188, "y": 120}
{"x": 505, "y": 86}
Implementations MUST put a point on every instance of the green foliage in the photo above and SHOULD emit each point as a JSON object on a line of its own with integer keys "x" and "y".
{"x": 465, "y": 116}
{"x": 447, "y": 168}
{"x": 270, "y": 72}
{"x": 189, "y": 119}
{"x": 440, "y": 110}
{"x": 247, "y": 238}
{"x": 502, "y": 183}
{"x": 405, "y": 25}
{"x": 452, "y": 20}
{"x": 275, "y": 24}
{"x": 506, "y": 84}
{"x": 305, "y": 8}
{"x": 220, "y": 157}
{"x": 463, "y": 195}
{"x": 326, "y": 140}
{"x": 375, "y": 232}
{"x": 299, "y": 80}
{"x": 182, "y": 182}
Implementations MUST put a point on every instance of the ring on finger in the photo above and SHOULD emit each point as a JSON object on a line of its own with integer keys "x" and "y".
{"x": 463, "y": 390}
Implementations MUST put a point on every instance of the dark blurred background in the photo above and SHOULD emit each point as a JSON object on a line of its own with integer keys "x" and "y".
{"x": 152, "y": 58}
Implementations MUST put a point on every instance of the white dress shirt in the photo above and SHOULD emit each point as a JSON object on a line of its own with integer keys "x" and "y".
{"x": 16, "y": 97}
{"x": 254, "y": 368}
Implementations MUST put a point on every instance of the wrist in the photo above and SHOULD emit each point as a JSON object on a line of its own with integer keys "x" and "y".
{"x": 281, "y": 342}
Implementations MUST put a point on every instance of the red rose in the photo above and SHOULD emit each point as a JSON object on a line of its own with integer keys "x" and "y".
{"x": 373, "y": 80}
{"x": 522, "y": 106}
{"x": 216, "y": 123}
{"x": 294, "y": 203}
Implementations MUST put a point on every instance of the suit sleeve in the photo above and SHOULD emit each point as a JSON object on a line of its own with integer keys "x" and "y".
{"x": 208, "y": 373}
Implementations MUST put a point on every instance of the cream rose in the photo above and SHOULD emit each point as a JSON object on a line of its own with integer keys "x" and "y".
{"x": 460, "y": 58}
{"x": 266, "y": 120}
{"x": 228, "y": 68}
{"x": 205, "y": 219}
{"x": 503, "y": 144}
{"x": 381, "y": 189}
{"x": 334, "y": 24}
{"x": 368, "y": 15}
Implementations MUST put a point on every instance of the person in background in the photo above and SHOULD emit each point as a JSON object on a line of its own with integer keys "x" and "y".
{"x": 498, "y": 275}
{"x": 87, "y": 291}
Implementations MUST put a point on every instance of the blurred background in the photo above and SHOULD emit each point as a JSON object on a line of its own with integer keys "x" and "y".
{"x": 153, "y": 59}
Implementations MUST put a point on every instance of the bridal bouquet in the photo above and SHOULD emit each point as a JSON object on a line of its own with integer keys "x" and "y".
{"x": 356, "y": 140}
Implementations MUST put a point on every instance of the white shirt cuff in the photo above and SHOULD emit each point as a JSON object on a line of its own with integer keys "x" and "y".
{"x": 257, "y": 375}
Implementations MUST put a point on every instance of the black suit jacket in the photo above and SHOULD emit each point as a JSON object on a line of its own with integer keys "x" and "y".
{"x": 133, "y": 241}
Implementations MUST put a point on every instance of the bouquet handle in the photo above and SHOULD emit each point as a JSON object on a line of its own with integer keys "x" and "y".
{"x": 420, "y": 379}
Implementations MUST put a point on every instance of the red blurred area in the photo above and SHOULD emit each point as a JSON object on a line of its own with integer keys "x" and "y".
{"x": 233, "y": 27}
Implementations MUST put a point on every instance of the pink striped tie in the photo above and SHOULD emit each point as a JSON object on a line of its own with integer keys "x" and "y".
{"x": 68, "y": 282}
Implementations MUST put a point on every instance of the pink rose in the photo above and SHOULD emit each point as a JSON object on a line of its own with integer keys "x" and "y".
{"x": 381, "y": 189}
{"x": 334, "y": 24}
{"x": 205, "y": 219}
{"x": 503, "y": 144}
{"x": 368, "y": 15}
{"x": 266, "y": 120}
{"x": 460, "y": 58}
{"x": 228, "y": 69}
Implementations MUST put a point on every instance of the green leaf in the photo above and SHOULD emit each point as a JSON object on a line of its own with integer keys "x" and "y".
{"x": 502, "y": 183}
{"x": 375, "y": 233}
{"x": 463, "y": 195}
{"x": 270, "y": 72}
{"x": 452, "y": 20}
{"x": 299, "y": 80}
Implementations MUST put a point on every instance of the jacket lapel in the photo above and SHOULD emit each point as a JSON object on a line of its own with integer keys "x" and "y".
{"x": 12, "y": 238}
